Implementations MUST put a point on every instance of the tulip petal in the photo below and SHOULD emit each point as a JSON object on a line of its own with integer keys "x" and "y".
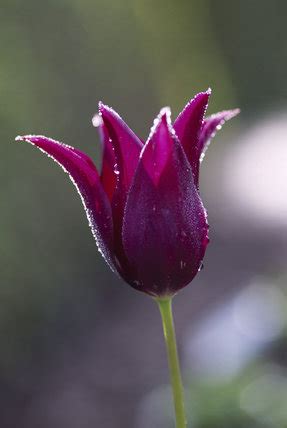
{"x": 84, "y": 175}
{"x": 165, "y": 230}
{"x": 211, "y": 125}
{"x": 108, "y": 170}
{"x": 188, "y": 126}
{"x": 127, "y": 146}
{"x": 159, "y": 145}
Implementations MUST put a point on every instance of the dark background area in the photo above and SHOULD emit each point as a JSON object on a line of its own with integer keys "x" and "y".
{"x": 78, "y": 347}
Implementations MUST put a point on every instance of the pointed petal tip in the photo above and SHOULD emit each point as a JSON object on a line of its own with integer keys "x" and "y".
{"x": 233, "y": 113}
{"x": 29, "y": 138}
{"x": 105, "y": 111}
{"x": 156, "y": 152}
{"x": 211, "y": 125}
{"x": 163, "y": 118}
{"x": 230, "y": 114}
{"x": 202, "y": 98}
{"x": 39, "y": 140}
{"x": 165, "y": 111}
{"x": 225, "y": 114}
{"x": 25, "y": 137}
{"x": 104, "y": 108}
{"x": 198, "y": 102}
{"x": 108, "y": 114}
{"x": 203, "y": 94}
{"x": 101, "y": 105}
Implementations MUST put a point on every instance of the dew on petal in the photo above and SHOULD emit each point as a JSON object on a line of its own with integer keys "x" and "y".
{"x": 97, "y": 120}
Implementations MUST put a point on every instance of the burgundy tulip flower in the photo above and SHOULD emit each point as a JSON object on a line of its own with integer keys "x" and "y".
{"x": 144, "y": 208}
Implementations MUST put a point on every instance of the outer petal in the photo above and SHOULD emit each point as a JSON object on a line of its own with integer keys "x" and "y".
{"x": 188, "y": 127}
{"x": 211, "y": 125}
{"x": 127, "y": 147}
{"x": 84, "y": 175}
{"x": 108, "y": 171}
{"x": 165, "y": 228}
{"x": 159, "y": 146}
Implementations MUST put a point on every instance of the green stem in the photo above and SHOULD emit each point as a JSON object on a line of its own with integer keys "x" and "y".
{"x": 165, "y": 307}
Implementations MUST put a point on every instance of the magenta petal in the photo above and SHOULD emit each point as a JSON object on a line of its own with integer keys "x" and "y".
{"x": 159, "y": 146}
{"x": 108, "y": 170}
{"x": 127, "y": 147}
{"x": 165, "y": 230}
{"x": 84, "y": 175}
{"x": 126, "y": 144}
{"x": 188, "y": 125}
{"x": 211, "y": 125}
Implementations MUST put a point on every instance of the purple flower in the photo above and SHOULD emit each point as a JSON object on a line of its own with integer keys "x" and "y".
{"x": 144, "y": 208}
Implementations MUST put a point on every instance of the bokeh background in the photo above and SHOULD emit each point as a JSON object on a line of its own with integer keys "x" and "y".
{"x": 78, "y": 348}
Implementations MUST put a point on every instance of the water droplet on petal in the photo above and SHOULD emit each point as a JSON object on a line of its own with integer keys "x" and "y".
{"x": 97, "y": 120}
{"x": 182, "y": 264}
{"x": 201, "y": 267}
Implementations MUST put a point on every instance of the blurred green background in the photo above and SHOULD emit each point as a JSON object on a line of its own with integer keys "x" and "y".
{"x": 78, "y": 348}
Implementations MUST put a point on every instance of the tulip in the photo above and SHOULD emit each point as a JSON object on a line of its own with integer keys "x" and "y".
{"x": 144, "y": 207}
